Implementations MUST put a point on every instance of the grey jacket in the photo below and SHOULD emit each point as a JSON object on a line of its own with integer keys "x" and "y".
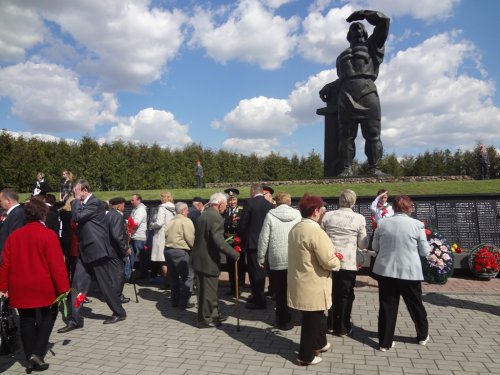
{"x": 400, "y": 241}
{"x": 273, "y": 238}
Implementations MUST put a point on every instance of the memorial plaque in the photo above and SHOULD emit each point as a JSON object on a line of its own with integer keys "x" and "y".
{"x": 488, "y": 224}
{"x": 426, "y": 211}
{"x": 467, "y": 230}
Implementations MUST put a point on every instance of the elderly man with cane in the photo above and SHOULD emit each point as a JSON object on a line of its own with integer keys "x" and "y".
{"x": 206, "y": 260}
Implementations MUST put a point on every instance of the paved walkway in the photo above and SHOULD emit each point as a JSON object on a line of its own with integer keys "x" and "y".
{"x": 158, "y": 339}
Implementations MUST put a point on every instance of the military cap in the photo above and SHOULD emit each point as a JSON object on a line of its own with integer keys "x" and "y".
{"x": 232, "y": 192}
{"x": 117, "y": 200}
{"x": 199, "y": 199}
{"x": 268, "y": 189}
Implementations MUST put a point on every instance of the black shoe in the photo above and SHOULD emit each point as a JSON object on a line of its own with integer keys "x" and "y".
{"x": 285, "y": 327}
{"x": 220, "y": 318}
{"x": 124, "y": 300}
{"x": 38, "y": 364}
{"x": 114, "y": 319}
{"x": 69, "y": 327}
{"x": 213, "y": 324}
{"x": 188, "y": 305}
{"x": 253, "y": 306}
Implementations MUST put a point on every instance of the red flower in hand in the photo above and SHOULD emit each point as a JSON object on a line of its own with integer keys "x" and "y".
{"x": 340, "y": 256}
{"x": 237, "y": 248}
{"x": 79, "y": 299}
{"x": 131, "y": 225}
{"x": 236, "y": 240}
{"x": 428, "y": 232}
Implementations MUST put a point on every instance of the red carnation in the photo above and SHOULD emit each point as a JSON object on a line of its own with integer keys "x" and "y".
{"x": 131, "y": 225}
{"x": 428, "y": 232}
{"x": 237, "y": 248}
{"x": 236, "y": 240}
{"x": 79, "y": 299}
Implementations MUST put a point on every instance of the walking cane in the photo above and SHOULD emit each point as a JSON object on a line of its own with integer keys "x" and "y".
{"x": 237, "y": 296}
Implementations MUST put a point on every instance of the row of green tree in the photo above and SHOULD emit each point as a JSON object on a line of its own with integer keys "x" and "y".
{"x": 131, "y": 166}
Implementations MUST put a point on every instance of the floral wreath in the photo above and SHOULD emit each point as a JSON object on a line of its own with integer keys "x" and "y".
{"x": 484, "y": 260}
{"x": 437, "y": 267}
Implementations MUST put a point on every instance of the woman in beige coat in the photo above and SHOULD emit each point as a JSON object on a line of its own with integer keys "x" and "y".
{"x": 311, "y": 258}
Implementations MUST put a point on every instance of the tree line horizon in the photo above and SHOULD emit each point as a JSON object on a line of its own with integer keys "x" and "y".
{"x": 119, "y": 165}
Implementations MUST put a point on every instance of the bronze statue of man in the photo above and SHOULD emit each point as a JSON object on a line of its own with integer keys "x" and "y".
{"x": 358, "y": 101}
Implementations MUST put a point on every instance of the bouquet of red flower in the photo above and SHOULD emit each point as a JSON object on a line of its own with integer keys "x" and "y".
{"x": 235, "y": 242}
{"x": 484, "y": 260}
{"x": 131, "y": 225}
{"x": 437, "y": 267}
{"x": 61, "y": 300}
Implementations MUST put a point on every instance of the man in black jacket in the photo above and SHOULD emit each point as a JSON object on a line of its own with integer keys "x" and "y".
{"x": 94, "y": 256}
{"x": 118, "y": 239}
{"x": 251, "y": 221}
{"x": 16, "y": 218}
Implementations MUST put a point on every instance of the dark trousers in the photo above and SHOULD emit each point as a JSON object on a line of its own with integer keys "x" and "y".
{"x": 117, "y": 274}
{"x": 389, "y": 292}
{"x": 81, "y": 282}
{"x": 279, "y": 279}
{"x": 484, "y": 171}
{"x": 208, "y": 303}
{"x": 312, "y": 334}
{"x": 241, "y": 272}
{"x": 180, "y": 275}
{"x": 257, "y": 278}
{"x": 343, "y": 297}
{"x": 36, "y": 326}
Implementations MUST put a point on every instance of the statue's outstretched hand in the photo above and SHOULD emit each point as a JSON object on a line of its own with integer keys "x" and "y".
{"x": 356, "y": 16}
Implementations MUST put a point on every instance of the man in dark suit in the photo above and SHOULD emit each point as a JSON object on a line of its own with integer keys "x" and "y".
{"x": 94, "y": 255}
{"x": 118, "y": 238}
{"x": 205, "y": 259}
{"x": 9, "y": 200}
{"x": 251, "y": 221}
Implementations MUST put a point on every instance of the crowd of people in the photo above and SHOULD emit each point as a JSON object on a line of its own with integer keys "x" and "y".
{"x": 308, "y": 254}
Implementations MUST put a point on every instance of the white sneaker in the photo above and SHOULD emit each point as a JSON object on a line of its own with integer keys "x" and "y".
{"x": 386, "y": 349}
{"x": 424, "y": 342}
{"x": 325, "y": 348}
{"x": 315, "y": 361}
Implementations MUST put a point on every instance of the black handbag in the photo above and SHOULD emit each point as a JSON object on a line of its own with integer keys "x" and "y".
{"x": 8, "y": 328}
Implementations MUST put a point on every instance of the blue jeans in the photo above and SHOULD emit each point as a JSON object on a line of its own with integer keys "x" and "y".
{"x": 138, "y": 252}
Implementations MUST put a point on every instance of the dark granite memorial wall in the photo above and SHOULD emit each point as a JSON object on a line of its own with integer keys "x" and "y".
{"x": 466, "y": 220}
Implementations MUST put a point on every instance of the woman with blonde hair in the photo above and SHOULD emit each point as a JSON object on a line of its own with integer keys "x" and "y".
{"x": 67, "y": 186}
{"x": 164, "y": 213}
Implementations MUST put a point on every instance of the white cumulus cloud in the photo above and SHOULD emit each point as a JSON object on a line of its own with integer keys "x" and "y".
{"x": 259, "y": 146}
{"x": 125, "y": 44}
{"x": 324, "y": 36}
{"x": 48, "y": 97}
{"x": 151, "y": 126}
{"x": 260, "y": 117}
{"x": 251, "y": 33}
{"x": 19, "y": 29}
{"x": 423, "y": 9}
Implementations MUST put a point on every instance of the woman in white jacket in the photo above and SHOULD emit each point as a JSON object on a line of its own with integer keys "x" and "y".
{"x": 166, "y": 211}
{"x": 273, "y": 241}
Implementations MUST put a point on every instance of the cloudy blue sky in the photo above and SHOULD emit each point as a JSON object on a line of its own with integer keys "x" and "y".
{"x": 243, "y": 75}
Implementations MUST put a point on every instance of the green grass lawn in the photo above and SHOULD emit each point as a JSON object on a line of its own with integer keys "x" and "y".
{"x": 329, "y": 190}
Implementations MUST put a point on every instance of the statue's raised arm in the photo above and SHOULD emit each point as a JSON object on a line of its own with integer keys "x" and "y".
{"x": 377, "y": 19}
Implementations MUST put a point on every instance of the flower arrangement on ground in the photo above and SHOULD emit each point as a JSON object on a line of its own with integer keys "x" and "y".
{"x": 437, "y": 267}
{"x": 484, "y": 260}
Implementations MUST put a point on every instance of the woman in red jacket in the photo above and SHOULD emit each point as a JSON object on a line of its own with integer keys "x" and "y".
{"x": 33, "y": 274}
